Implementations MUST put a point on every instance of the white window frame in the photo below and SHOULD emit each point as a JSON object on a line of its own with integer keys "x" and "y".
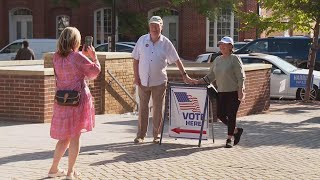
{"x": 16, "y": 14}
{"x": 102, "y": 33}
{"x": 57, "y": 31}
{"x": 215, "y": 47}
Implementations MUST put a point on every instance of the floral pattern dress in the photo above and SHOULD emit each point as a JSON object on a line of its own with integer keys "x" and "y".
{"x": 70, "y": 73}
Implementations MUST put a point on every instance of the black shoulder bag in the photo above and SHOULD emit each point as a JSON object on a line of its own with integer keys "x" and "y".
{"x": 66, "y": 97}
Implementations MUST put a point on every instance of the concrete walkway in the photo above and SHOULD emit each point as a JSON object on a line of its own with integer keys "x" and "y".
{"x": 281, "y": 144}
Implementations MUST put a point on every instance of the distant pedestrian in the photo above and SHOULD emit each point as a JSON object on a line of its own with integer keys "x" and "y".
{"x": 68, "y": 122}
{"x": 227, "y": 70}
{"x": 151, "y": 55}
{"x": 25, "y": 53}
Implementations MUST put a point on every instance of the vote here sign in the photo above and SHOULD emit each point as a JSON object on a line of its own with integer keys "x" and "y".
{"x": 186, "y": 111}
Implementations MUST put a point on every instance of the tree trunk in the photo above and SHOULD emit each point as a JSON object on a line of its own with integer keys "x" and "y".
{"x": 311, "y": 60}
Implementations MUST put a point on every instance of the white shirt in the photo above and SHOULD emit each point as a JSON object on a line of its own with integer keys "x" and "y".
{"x": 153, "y": 59}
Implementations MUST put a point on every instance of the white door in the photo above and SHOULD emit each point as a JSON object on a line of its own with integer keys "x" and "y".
{"x": 171, "y": 29}
{"x": 21, "y": 27}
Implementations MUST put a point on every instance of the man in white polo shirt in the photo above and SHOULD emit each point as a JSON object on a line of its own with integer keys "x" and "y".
{"x": 151, "y": 55}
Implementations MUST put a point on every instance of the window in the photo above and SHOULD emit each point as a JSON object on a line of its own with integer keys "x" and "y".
{"x": 18, "y": 29}
{"x": 258, "y": 47}
{"x": 119, "y": 48}
{"x": 102, "y": 25}
{"x": 13, "y": 48}
{"x": 102, "y": 48}
{"x": 252, "y": 61}
{"x": 226, "y": 24}
{"x": 22, "y": 12}
{"x": 62, "y": 22}
{"x": 123, "y": 48}
{"x": 283, "y": 46}
{"x": 20, "y": 24}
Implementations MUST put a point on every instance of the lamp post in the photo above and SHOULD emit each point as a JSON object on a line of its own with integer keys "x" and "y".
{"x": 113, "y": 38}
{"x": 259, "y": 13}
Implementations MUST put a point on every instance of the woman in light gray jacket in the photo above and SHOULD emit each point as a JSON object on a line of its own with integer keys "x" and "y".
{"x": 227, "y": 71}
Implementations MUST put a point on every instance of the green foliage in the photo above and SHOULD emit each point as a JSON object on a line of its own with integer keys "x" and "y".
{"x": 302, "y": 15}
{"x": 163, "y": 11}
{"x": 286, "y": 14}
{"x": 132, "y": 24}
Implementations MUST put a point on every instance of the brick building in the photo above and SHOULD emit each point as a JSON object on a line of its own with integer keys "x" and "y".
{"x": 190, "y": 32}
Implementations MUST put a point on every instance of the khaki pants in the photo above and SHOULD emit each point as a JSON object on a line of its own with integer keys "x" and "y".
{"x": 157, "y": 93}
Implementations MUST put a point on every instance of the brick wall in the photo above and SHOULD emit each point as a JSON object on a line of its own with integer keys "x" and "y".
{"x": 26, "y": 97}
{"x": 116, "y": 100}
{"x": 192, "y": 42}
{"x": 27, "y": 94}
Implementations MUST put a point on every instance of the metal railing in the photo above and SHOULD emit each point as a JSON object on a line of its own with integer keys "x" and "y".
{"x": 122, "y": 87}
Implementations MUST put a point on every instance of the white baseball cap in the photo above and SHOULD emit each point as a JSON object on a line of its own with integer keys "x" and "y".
{"x": 156, "y": 20}
{"x": 226, "y": 40}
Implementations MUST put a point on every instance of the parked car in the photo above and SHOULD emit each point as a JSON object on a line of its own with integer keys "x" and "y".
{"x": 120, "y": 47}
{"x": 130, "y": 43}
{"x": 204, "y": 58}
{"x": 238, "y": 45}
{"x": 39, "y": 46}
{"x": 209, "y": 57}
{"x": 293, "y": 49}
{"x": 280, "y": 76}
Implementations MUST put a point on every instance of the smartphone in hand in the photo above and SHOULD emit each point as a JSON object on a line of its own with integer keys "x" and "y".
{"x": 87, "y": 42}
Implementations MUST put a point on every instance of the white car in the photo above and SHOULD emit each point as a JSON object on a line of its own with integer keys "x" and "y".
{"x": 120, "y": 47}
{"x": 205, "y": 58}
{"x": 280, "y": 77}
{"x": 39, "y": 46}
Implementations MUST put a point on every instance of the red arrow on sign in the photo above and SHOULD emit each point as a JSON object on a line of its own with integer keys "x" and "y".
{"x": 178, "y": 131}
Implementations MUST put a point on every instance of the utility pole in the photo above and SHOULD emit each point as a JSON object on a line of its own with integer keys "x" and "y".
{"x": 113, "y": 40}
{"x": 259, "y": 13}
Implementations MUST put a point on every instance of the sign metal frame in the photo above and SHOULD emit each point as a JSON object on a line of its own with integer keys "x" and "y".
{"x": 168, "y": 110}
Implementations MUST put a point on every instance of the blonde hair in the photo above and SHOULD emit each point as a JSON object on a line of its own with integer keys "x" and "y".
{"x": 68, "y": 41}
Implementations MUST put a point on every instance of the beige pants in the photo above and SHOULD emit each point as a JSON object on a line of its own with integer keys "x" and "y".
{"x": 157, "y": 93}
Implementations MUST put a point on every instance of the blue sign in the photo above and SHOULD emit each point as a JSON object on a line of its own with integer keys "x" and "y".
{"x": 299, "y": 80}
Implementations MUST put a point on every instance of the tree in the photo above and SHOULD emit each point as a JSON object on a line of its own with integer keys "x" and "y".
{"x": 302, "y": 15}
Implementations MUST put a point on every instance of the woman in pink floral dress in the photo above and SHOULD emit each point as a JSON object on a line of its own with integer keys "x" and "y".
{"x": 68, "y": 122}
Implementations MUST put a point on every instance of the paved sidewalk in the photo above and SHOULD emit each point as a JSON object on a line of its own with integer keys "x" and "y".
{"x": 281, "y": 144}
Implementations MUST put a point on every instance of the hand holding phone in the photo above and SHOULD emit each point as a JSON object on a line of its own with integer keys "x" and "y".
{"x": 88, "y": 49}
{"x": 87, "y": 42}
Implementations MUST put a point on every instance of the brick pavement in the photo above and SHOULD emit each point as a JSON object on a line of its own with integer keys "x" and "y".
{"x": 280, "y": 144}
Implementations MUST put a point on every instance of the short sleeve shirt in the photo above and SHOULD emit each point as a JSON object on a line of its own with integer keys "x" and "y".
{"x": 153, "y": 59}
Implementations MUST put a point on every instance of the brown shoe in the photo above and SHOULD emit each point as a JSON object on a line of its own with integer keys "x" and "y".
{"x": 156, "y": 140}
{"x": 138, "y": 140}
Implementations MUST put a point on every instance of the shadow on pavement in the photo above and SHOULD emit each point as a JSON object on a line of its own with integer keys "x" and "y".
{"x": 255, "y": 134}
{"x": 304, "y": 134}
{"x": 150, "y": 151}
{"x": 300, "y": 134}
{"x": 133, "y": 122}
{"x": 293, "y": 107}
{"x": 4, "y": 123}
